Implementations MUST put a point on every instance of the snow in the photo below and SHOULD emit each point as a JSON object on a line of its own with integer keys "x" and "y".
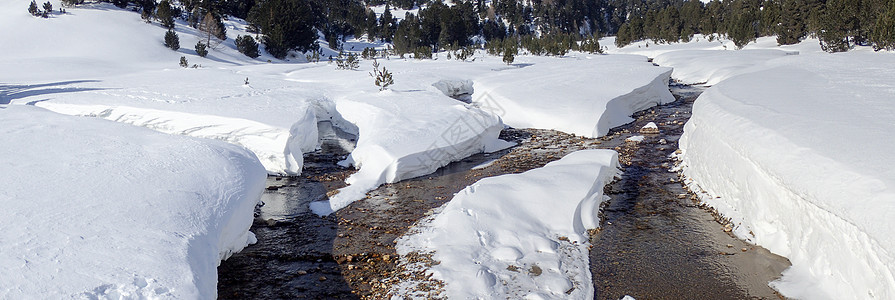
{"x": 712, "y": 66}
{"x": 535, "y": 221}
{"x": 635, "y": 138}
{"x": 602, "y": 93}
{"x": 798, "y": 154}
{"x": 96, "y": 209}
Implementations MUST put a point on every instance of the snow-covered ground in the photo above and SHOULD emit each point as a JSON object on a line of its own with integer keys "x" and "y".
{"x": 99, "y": 210}
{"x": 799, "y": 156}
{"x": 518, "y": 236}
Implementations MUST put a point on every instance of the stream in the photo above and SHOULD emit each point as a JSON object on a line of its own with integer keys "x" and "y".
{"x": 655, "y": 241}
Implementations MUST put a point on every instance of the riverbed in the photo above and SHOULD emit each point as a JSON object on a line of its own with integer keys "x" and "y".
{"x": 655, "y": 240}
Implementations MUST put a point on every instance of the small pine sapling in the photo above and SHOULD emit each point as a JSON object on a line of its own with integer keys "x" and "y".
{"x": 32, "y": 9}
{"x": 383, "y": 77}
{"x": 48, "y": 7}
{"x": 183, "y": 62}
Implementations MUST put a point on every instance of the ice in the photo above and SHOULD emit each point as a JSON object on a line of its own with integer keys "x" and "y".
{"x": 93, "y": 208}
{"x": 535, "y": 221}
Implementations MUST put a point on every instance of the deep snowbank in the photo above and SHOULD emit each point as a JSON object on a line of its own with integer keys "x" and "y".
{"x": 104, "y": 210}
{"x": 521, "y": 235}
{"x": 584, "y": 95}
{"x": 712, "y": 66}
{"x": 799, "y": 156}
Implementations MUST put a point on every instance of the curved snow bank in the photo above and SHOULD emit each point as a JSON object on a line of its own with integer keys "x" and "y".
{"x": 279, "y": 150}
{"x": 585, "y": 96}
{"x": 803, "y": 166}
{"x": 96, "y": 209}
{"x": 403, "y": 135}
{"x": 518, "y": 236}
{"x": 713, "y": 66}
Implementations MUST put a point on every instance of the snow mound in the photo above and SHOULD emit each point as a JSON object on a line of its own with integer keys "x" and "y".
{"x": 403, "y": 135}
{"x": 105, "y": 210}
{"x": 712, "y": 66}
{"x": 585, "y": 95}
{"x": 521, "y": 235}
{"x": 803, "y": 167}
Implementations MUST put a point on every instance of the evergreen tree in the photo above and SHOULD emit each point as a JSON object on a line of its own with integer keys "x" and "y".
{"x": 32, "y": 9}
{"x": 883, "y": 36}
{"x": 386, "y": 25}
{"x": 286, "y": 24}
{"x": 172, "y": 40}
{"x": 509, "y": 51}
{"x": 201, "y": 49}
{"x": 246, "y": 45}
{"x": 48, "y": 7}
{"x": 120, "y": 3}
{"x": 165, "y": 14}
{"x": 792, "y": 28}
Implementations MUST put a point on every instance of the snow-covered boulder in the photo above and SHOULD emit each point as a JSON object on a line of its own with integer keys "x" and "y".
{"x": 95, "y": 209}
{"x": 518, "y": 236}
{"x": 799, "y": 156}
{"x": 584, "y": 95}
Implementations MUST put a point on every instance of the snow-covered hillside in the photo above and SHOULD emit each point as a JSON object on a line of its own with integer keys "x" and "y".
{"x": 94, "y": 209}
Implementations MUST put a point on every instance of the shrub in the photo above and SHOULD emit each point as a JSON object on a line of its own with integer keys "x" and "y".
{"x": 201, "y": 49}
{"x": 183, "y": 62}
{"x": 172, "y": 40}
{"x": 247, "y": 45}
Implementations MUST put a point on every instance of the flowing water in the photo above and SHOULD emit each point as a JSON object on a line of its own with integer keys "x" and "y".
{"x": 655, "y": 243}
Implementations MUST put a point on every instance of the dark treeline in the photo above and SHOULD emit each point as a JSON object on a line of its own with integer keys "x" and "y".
{"x": 839, "y": 24}
{"x": 550, "y": 27}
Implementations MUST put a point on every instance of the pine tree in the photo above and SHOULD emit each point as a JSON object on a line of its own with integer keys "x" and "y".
{"x": 286, "y": 24}
{"x": 509, "y": 51}
{"x": 386, "y": 25}
{"x": 883, "y": 36}
{"x": 165, "y": 14}
{"x": 172, "y": 40}
{"x": 792, "y": 28}
{"x": 32, "y": 9}
{"x": 183, "y": 62}
{"x": 48, "y": 7}
{"x": 201, "y": 49}
{"x": 247, "y": 45}
{"x": 382, "y": 78}
{"x": 120, "y": 3}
